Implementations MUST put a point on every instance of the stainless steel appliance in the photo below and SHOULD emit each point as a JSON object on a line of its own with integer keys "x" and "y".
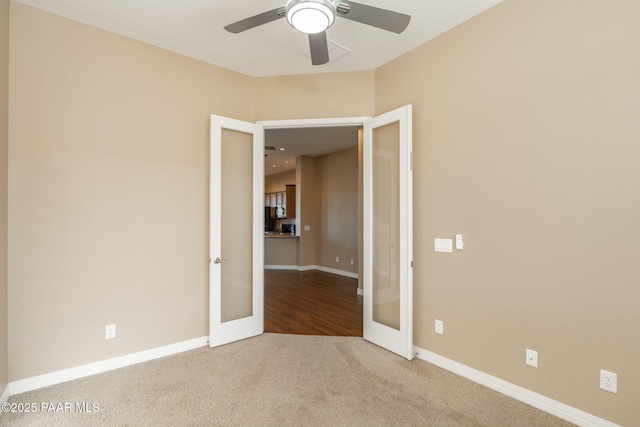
{"x": 289, "y": 228}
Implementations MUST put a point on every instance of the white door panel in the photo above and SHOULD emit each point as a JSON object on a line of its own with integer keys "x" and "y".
{"x": 388, "y": 231}
{"x": 236, "y": 281}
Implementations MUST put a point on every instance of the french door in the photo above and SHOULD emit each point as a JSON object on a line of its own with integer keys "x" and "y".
{"x": 236, "y": 235}
{"x": 236, "y": 284}
{"x": 388, "y": 230}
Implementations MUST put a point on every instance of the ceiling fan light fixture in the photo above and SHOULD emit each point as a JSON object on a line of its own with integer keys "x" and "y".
{"x": 310, "y": 16}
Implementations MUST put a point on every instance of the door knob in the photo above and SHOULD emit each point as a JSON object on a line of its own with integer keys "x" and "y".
{"x": 218, "y": 260}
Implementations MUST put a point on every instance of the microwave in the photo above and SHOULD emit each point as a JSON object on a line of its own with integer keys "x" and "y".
{"x": 289, "y": 228}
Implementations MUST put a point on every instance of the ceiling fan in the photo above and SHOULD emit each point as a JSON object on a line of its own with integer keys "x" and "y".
{"x": 313, "y": 17}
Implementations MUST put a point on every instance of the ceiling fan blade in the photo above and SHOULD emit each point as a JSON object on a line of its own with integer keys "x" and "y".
{"x": 319, "y": 48}
{"x": 380, "y": 18}
{"x": 256, "y": 20}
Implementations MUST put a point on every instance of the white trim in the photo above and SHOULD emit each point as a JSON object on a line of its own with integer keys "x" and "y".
{"x": 282, "y": 267}
{"x": 553, "y": 407}
{"x": 312, "y": 267}
{"x": 338, "y": 272}
{"x": 65, "y": 375}
{"x": 336, "y": 121}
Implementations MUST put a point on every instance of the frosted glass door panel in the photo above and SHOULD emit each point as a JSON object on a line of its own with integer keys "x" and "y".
{"x": 237, "y": 237}
{"x": 386, "y": 204}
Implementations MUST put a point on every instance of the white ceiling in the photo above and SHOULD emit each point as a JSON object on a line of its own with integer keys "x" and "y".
{"x": 312, "y": 142}
{"x": 195, "y": 28}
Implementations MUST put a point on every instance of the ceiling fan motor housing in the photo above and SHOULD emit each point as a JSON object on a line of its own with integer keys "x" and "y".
{"x": 310, "y": 16}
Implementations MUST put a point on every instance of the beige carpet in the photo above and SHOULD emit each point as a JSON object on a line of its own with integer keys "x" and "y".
{"x": 280, "y": 380}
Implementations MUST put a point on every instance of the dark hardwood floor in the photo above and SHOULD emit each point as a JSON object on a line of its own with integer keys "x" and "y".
{"x": 311, "y": 303}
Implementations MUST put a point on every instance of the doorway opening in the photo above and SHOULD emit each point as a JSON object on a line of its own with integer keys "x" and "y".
{"x": 312, "y": 262}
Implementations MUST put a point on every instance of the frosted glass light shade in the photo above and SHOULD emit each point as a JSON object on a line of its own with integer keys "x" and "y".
{"x": 310, "y": 16}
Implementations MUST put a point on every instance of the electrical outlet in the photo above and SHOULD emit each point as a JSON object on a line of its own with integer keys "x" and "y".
{"x": 110, "y": 332}
{"x": 337, "y": 259}
{"x": 532, "y": 358}
{"x": 439, "y": 327}
{"x": 351, "y": 262}
{"x": 608, "y": 381}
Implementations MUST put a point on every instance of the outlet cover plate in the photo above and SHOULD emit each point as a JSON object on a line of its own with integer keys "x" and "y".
{"x": 609, "y": 381}
{"x": 439, "y": 327}
{"x": 110, "y": 332}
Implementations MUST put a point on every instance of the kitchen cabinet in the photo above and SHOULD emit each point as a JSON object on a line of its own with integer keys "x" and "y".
{"x": 286, "y": 198}
{"x": 274, "y": 199}
{"x": 270, "y": 198}
{"x": 290, "y": 195}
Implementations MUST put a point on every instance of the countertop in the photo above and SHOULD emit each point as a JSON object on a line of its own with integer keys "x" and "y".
{"x": 275, "y": 234}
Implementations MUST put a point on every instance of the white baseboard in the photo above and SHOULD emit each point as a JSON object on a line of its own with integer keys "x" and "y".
{"x": 281, "y": 267}
{"x": 560, "y": 410}
{"x": 338, "y": 272}
{"x": 312, "y": 267}
{"x": 40, "y": 381}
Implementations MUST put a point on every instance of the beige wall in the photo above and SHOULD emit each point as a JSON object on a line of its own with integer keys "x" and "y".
{"x": 526, "y": 142}
{"x": 315, "y": 96}
{"x": 4, "y": 143}
{"x": 108, "y": 191}
{"x": 337, "y": 210}
{"x": 281, "y": 251}
{"x": 279, "y": 181}
{"x": 307, "y": 209}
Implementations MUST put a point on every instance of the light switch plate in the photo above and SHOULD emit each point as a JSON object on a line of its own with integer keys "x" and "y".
{"x": 532, "y": 358}
{"x": 443, "y": 245}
